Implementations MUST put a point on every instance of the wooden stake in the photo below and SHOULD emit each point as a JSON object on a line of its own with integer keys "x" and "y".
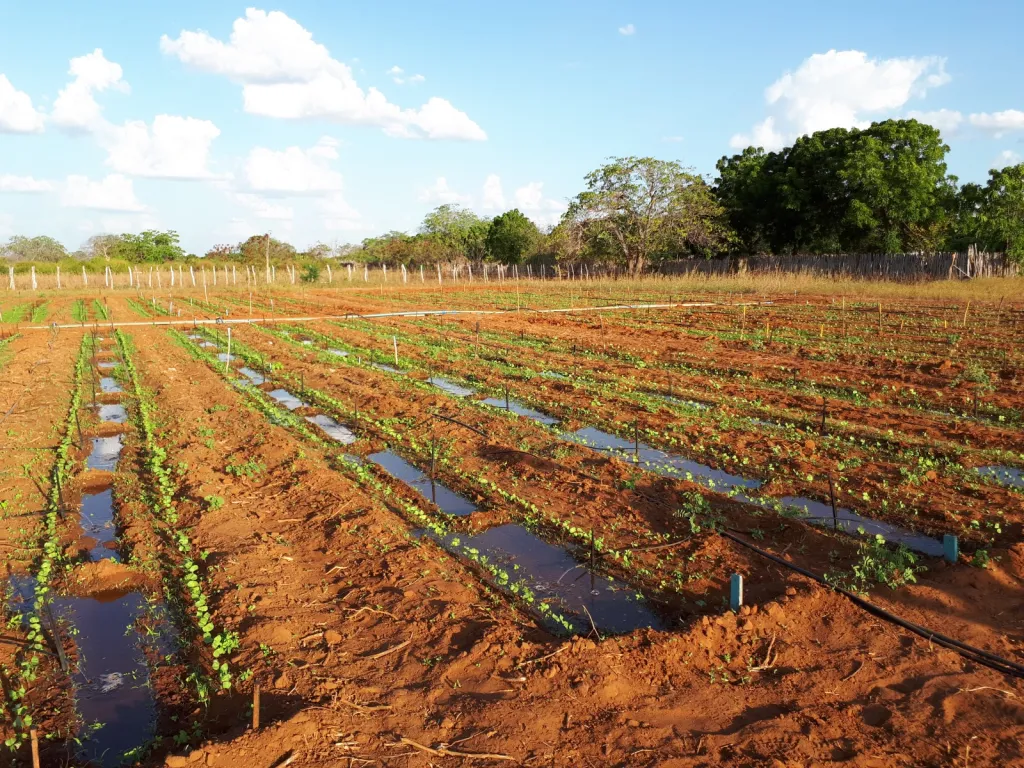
{"x": 35, "y": 746}
{"x": 968, "y": 309}
{"x": 256, "y": 707}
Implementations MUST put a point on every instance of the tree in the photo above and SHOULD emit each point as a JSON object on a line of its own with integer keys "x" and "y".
{"x": 899, "y": 194}
{"x": 639, "y": 208}
{"x": 511, "y": 236}
{"x": 458, "y": 231}
{"x": 253, "y": 250}
{"x": 40, "y": 248}
{"x": 103, "y": 246}
{"x": 882, "y": 188}
{"x": 992, "y": 217}
{"x": 149, "y": 246}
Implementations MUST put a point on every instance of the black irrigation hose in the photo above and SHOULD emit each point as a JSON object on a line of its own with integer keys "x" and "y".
{"x": 977, "y": 655}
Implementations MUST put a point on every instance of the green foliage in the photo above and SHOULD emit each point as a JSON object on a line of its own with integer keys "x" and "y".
{"x": 213, "y": 502}
{"x": 879, "y": 564}
{"x": 186, "y": 572}
{"x": 310, "y": 272}
{"x": 992, "y": 216}
{"x": 511, "y": 237}
{"x": 883, "y": 188}
{"x": 457, "y": 231}
{"x": 637, "y": 209}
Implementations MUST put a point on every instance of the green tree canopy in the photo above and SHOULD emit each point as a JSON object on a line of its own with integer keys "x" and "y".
{"x": 458, "y": 231}
{"x": 882, "y": 188}
{"x": 637, "y": 209}
{"x": 511, "y": 237}
{"x": 149, "y": 246}
{"x": 992, "y": 216}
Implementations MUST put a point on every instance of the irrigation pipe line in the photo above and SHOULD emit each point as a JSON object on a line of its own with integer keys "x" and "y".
{"x": 977, "y": 655}
{"x": 349, "y": 315}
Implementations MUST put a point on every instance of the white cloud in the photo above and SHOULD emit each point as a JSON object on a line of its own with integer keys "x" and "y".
{"x": 9, "y": 183}
{"x": 946, "y": 120}
{"x": 112, "y": 193}
{"x": 763, "y": 135}
{"x": 294, "y": 170}
{"x": 339, "y": 215}
{"x": 544, "y": 211}
{"x": 133, "y": 222}
{"x": 417, "y": 79}
{"x": 840, "y": 89}
{"x": 529, "y": 199}
{"x": 265, "y": 209}
{"x": 286, "y": 74}
{"x": 173, "y": 148}
{"x": 17, "y": 115}
{"x": 75, "y": 106}
{"x": 493, "y": 197}
{"x": 999, "y": 123}
{"x": 1007, "y": 157}
{"x": 627, "y": 30}
{"x": 439, "y": 192}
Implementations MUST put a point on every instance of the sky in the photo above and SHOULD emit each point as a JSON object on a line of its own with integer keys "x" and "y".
{"x": 338, "y": 121}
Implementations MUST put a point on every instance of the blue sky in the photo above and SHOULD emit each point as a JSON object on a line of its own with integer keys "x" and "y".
{"x": 178, "y": 124}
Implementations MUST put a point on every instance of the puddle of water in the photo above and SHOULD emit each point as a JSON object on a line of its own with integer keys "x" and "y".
{"x": 109, "y": 385}
{"x": 112, "y": 682}
{"x": 556, "y": 576}
{"x": 450, "y": 387}
{"x": 338, "y": 352}
{"x": 334, "y": 430}
{"x": 386, "y": 367}
{"x": 115, "y": 414}
{"x": 553, "y": 375}
{"x": 662, "y": 463}
{"x": 106, "y": 364}
{"x": 105, "y": 452}
{"x": 113, "y": 679}
{"x": 445, "y": 498}
{"x": 687, "y": 403}
{"x": 287, "y": 399}
{"x": 307, "y": 342}
{"x": 1009, "y": 476}
{"x": 254, "y": 377}
{"x": 223, "y": 357}
{"x": 522, "y": 410}
{"x": 207, "y": 344}
{"x": 851, "y": 522}
{"x": 195, "y": 336}
{"x": 98, "y": 523}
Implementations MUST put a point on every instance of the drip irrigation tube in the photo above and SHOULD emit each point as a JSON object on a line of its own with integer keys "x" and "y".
{"x": 977, "y": 655}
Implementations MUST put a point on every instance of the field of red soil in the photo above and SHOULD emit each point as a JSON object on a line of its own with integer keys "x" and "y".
{"x": 375, "y": 614}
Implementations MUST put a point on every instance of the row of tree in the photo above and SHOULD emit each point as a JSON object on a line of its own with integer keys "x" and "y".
{"x": 881, "y": 189}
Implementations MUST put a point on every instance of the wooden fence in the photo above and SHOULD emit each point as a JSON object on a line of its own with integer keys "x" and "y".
{"x": 902, "y": 266}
